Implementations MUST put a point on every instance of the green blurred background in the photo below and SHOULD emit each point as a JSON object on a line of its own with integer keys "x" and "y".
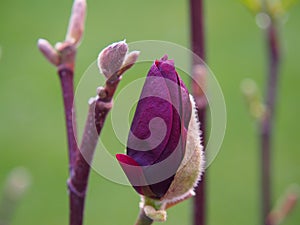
{"x": 32, "y": 130}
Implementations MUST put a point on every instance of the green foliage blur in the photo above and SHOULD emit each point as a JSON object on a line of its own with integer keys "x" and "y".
{"x": 32, "y": 131}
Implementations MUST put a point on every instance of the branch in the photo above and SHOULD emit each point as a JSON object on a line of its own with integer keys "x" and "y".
{"x": 99, "y": 107}
{"x": 266, "y": 126}
{"x": 78, "y": 181}
{"x": 66, "y": 75}
{"x": 98, "y": 110}
{"x": 198, "y": 47}
{"x": 63, "y": 57}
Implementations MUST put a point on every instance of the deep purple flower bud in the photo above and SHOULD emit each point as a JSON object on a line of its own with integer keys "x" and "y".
{"x": 163, "y": 146}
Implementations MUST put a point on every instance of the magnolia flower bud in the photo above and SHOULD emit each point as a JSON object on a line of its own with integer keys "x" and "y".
{"x": 48, "y": 51}
{"x": 167, "y": 171}
{"x": 76, "y": 24}
{"x": 111, "y": 58}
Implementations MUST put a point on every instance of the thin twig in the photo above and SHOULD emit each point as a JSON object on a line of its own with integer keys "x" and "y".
{"x": 78, "y": 182}
{"x": 198, "y": 47}
{"x": 285, "y": 206}
{"x": 268, "y": 119}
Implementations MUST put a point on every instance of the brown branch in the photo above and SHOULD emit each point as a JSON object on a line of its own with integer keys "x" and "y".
{"x": 78, "y": 182}
{"x": 66, "y": 76}
{"x": 198, "y": 47}
{"x": 266, "y": 126}
{"x": 98, "y": 110}
{"x": 79, "y": 176}
{"x": 67, "y": 52}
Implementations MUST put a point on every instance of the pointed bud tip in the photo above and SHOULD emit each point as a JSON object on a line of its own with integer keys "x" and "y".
{"x": 76, "y": 24}
{"x": 165, "y": 57}
{"x": 42, "y": 41}
{"x": 81, "y": 2}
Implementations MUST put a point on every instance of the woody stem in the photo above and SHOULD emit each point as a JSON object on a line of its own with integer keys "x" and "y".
{"x": 198, "y": 47}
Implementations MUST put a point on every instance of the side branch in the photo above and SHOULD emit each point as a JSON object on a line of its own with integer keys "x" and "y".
{"x": 78, "y": 182}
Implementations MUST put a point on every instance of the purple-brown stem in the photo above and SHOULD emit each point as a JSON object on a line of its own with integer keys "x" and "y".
{"x": 66, "y": 76}
{"x": 76, "y": 198}
{"x": 198, "y": 47}
{"x": 267, "y": 120}
{"x": 63, "y": 57}
{"x": 78, "y": 182}
{"x": 79, "y": 176}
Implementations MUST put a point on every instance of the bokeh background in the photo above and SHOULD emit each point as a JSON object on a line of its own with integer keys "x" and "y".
{"x": 32, "y": 131}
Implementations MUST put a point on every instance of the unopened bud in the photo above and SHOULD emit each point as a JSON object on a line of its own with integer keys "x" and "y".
{"x": 101, "y": 92}
{"x": 263, "y": 20}
{"x": 253, "y": 5}
{"x": 111, "y": 58}
{"x": 48, "y": 51}
{"x": 130, "y": 59}
{"x": 76, "y": 24}
{"x": 17, "y": 183}
{"x": 249, "y": 87}
{"x": 256, "y": 108}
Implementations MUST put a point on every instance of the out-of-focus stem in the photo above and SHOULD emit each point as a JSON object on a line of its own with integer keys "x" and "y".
{"x": 198, "y": 47}
{"x": 16, "y": 185}
{"x": 284, "y": 207}
{"x": 266, "y": 128}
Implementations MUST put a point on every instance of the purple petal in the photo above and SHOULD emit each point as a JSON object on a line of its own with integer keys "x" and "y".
{"x": 154, "y": 103}
{"x": 135, "y": 175}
